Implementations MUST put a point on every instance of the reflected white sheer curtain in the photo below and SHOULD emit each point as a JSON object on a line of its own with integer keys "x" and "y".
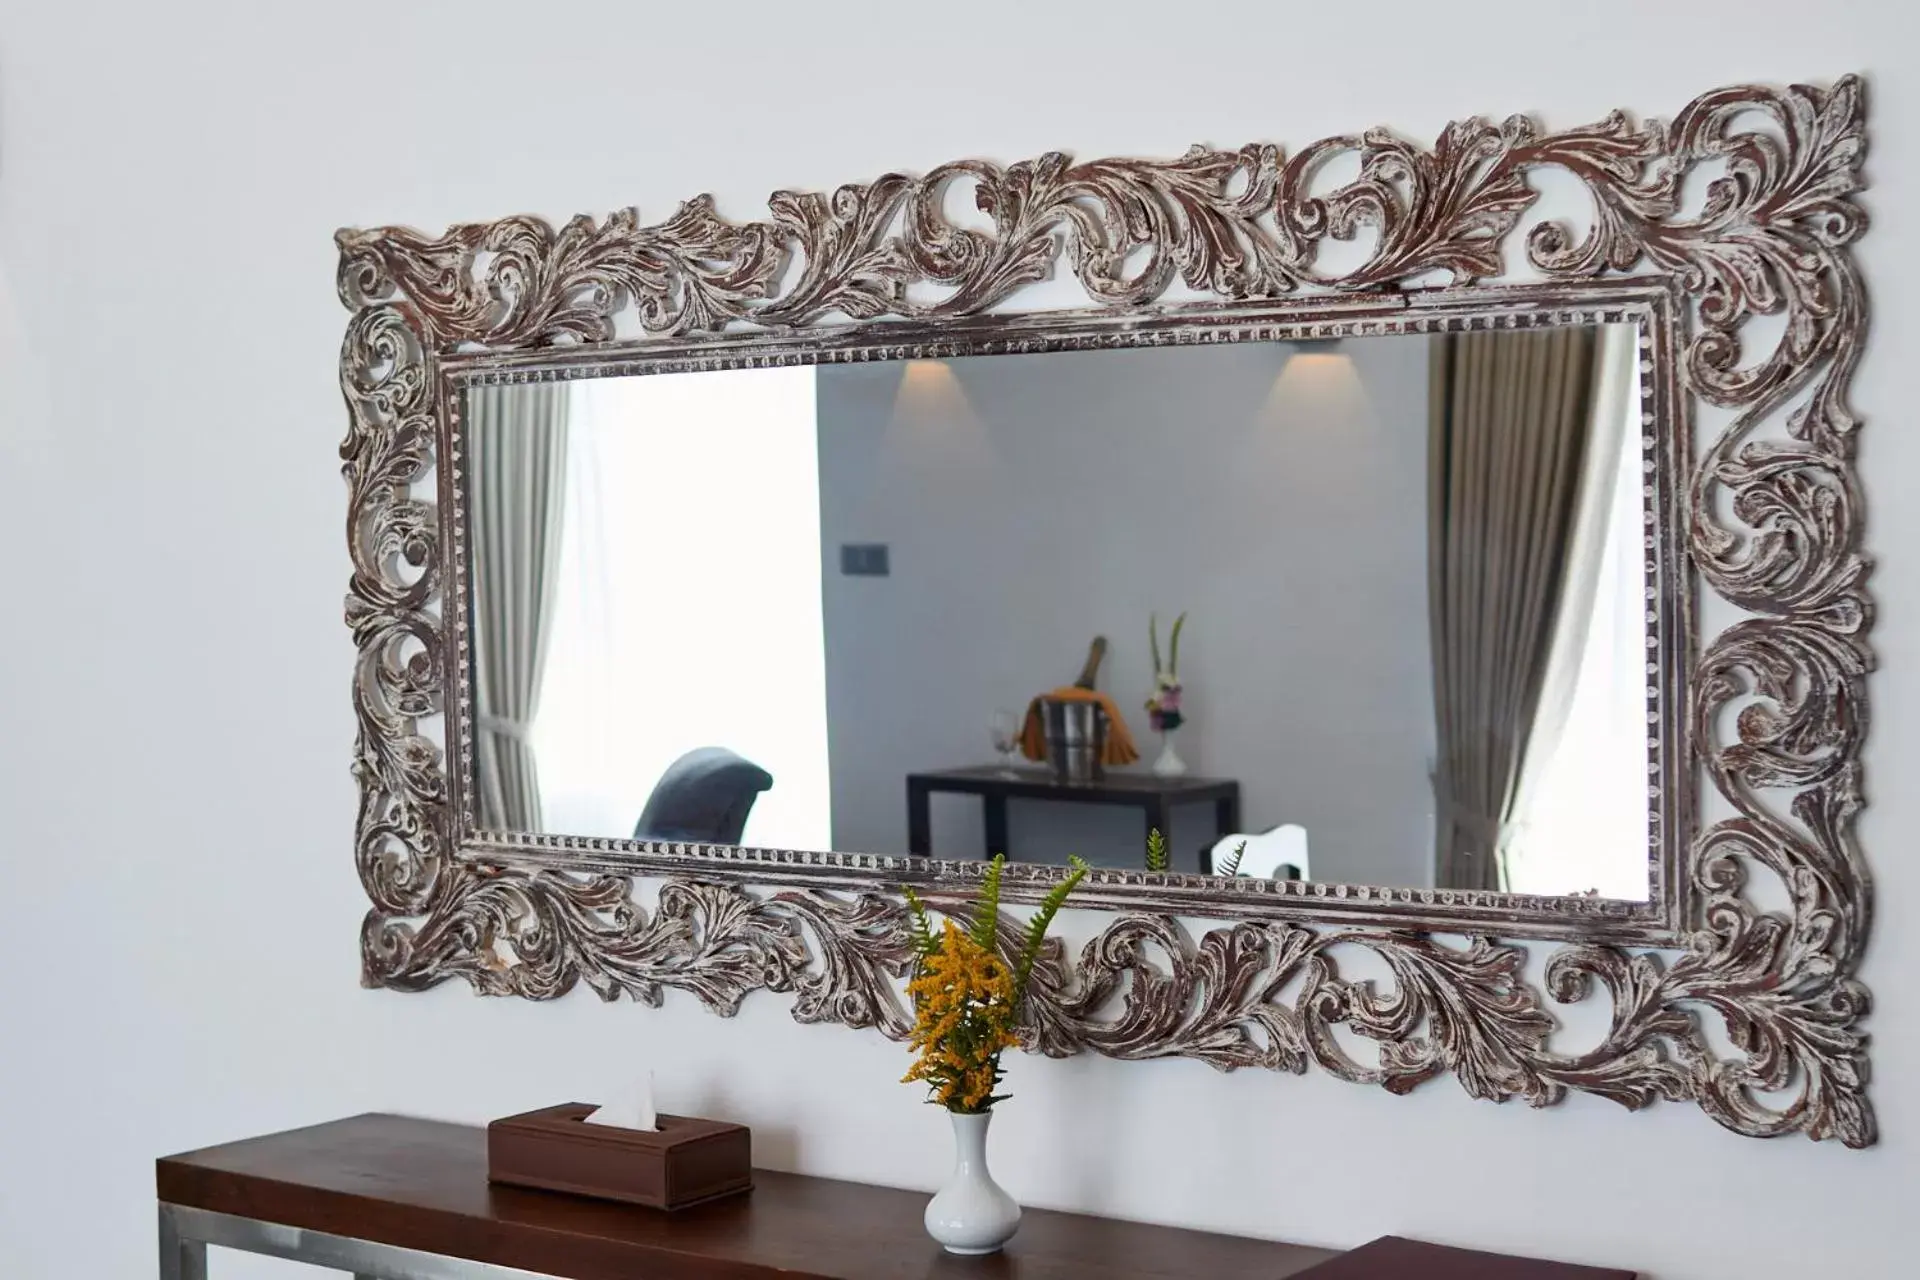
{"x": 518, "y": 436}
{"x": 1582, "y": 808}
{"x": 689, "y": 609}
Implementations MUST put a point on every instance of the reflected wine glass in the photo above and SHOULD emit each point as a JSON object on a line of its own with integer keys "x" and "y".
{"x": 1005, "y": 728}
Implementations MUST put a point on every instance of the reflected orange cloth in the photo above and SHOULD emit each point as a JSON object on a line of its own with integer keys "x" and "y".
{"x": 1033, "y": 733}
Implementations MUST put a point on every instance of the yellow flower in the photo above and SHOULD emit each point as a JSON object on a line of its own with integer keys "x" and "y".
{"x": 966, "y": 998}
{"x": 964, "y": 1008}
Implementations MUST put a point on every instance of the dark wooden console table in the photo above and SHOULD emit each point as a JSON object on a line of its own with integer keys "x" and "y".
{"x": 1154, "y": 796}
{"x": 388, "y": 1198}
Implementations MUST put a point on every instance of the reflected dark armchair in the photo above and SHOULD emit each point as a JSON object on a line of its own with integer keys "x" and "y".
{"x": 703, "y": 798}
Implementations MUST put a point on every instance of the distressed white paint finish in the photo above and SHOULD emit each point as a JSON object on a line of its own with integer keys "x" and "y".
{"x": 522, "y": 300}
{"x": 183, "y": 726}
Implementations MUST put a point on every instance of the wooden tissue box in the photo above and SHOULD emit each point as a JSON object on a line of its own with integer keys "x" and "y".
{"x": 684, "y": 1162}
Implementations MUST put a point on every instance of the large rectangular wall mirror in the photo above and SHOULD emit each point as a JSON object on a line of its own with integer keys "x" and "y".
{"x": 1411, "y": 569}
{"x": 1425, "y": 583}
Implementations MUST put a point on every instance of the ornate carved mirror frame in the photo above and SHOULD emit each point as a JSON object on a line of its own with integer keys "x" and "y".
{"x": 1717, "y": 995}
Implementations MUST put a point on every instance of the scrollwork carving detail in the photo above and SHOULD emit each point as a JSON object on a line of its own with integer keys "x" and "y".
{"x": 1778, "y": 708}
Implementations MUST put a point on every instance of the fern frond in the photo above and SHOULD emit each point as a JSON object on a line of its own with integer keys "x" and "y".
{"x": 1231, "y": 866}
{"x": 919, "y": 926}
{"x": 986, "y": 917}
{"x": 1156, "y": 851}
{"x": 1037, "y": 927}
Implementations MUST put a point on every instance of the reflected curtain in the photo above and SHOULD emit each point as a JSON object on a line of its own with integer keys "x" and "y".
{"x": 1507, "y": 432}
{"x": 1614, "y": 404}
{"x": 517, "y": 439}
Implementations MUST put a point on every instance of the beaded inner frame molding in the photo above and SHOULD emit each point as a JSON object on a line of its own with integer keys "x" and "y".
{"x": 1737, "y": 995}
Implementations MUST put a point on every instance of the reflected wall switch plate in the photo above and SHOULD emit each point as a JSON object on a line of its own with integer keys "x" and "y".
{"x": 863, "y": 559}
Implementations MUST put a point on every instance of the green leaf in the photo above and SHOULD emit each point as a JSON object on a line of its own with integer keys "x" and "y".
{"x": 920, "y": 926}
{"x": 1231, "y": 866}
{"x": 1037, "y": 927}
{"x": 986, "y": 917}
{"x": 1156, "y": 851}
{"x": 1173, "y": 647}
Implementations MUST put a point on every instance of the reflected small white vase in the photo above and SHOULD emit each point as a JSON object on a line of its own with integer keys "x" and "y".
{"x": 971, "y": 1214}
{"x": 1169, "y": 765}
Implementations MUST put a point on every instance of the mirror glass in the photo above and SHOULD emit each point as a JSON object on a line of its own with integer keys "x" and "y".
{"x": 1368, "y": 612}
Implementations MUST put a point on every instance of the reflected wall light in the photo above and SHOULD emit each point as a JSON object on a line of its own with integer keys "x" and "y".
{"x": 1315, "y": 362}
{"x": 1317, "y": 378}
{"x": 931, "y": 385}
{"x": 932, "y": 417}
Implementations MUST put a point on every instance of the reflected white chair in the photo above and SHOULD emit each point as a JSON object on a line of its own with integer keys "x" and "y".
{"x": 1278, "y": 854}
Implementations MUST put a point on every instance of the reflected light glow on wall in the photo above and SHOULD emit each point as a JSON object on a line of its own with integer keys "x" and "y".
{"x": 932, "y": 418}
{"x": 1315, "y": 380}
{"x": 930, "y": 385}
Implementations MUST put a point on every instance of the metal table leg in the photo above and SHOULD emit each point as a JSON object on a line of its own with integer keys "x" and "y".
{"x": 186, "y": 1233}
{"x": 180, "y": 1258}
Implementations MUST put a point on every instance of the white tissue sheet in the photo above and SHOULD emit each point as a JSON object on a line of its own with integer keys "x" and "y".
{"x": 631, "y": 1108}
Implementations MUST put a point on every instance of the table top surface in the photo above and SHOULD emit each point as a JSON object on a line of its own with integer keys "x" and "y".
{"x": 1397, "y": 1258}
{"x": 421, "y": 1184}
{"x": 1114, "y": 783}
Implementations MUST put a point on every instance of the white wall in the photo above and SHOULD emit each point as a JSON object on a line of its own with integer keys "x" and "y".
{"x": 1032, "y": 502}
{"x": 182, "y": 912}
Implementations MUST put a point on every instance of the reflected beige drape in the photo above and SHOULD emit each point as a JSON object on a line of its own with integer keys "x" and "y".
{"x": 517, "y": 440}
{"x": 1507, "y": 433}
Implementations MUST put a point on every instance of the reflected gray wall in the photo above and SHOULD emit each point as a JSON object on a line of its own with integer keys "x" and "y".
{"x": 1033, "y": 501}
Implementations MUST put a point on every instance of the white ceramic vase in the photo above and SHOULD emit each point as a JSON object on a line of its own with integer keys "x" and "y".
{"x": 1169, "y": 765}
{"x": 971, "y": 1214}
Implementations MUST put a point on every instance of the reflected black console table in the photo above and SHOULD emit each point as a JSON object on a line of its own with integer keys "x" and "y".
{"x": 1154, "y": 796}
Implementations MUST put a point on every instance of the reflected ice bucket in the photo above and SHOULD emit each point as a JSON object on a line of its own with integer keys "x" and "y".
{"x": 1076, "y": 740}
